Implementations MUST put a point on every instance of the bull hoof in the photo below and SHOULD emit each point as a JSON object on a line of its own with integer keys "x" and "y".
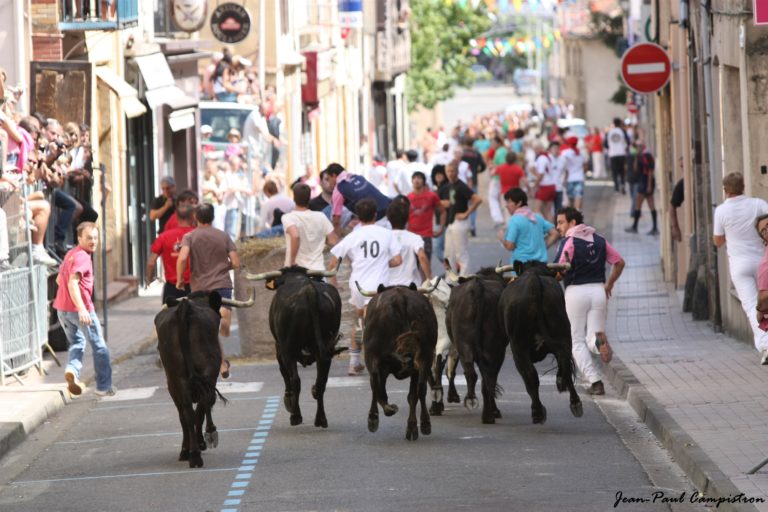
{"x": 296, "y": 419}
{"x": 471, "y": 402}
{"x": 195, "y": 460}
{"x": 577, "y": 409}
{"x": 314, "y": 392}
{"x": 212, "y": 438}
{"x": 412, "y": 432}
{"x": 426, "y": 428}
{"x": 454, "y": 398}
{"x": 436, "y": 409}
{"x": 540, "y": 417}
{"x": 497, "y": 414}
{"x": 202, "y": 446}
{"x": 184, "y": 455}
{"x": 321, "y": 422}
{"x": 437, "y": 394}
{"x": 560, "y": 384}
{"x": 390, "y": 409}
{"x": 373, "y": 423}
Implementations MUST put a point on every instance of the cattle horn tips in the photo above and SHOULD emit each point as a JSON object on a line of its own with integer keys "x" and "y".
{"x": 264, "y": 275}
{"x": 560, "y": 267}
{"x": 447, "y": 264}
{"x": 504, "y": 268}
{"x": 241, "y": 303}
{"x": 428, "y": 290}
{"x": 325, "y": 273}
{"x": 451, "y": 276}
{"x": 364, "y": 293}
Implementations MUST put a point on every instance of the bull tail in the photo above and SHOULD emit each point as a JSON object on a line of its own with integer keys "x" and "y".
{"x": 316, "y": 328}
{"x": 477, "y": 292}
{"x": 537, "y": 296}
{"x": 196, "y": 383}
{"x": 407, "y": 349}
{"x": 221, "y": 397}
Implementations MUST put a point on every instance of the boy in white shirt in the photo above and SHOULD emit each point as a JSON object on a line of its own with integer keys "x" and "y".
{"x": 373, "y": 250}
{"x": 415, "y": 262}
{"x": 306, "y": 232}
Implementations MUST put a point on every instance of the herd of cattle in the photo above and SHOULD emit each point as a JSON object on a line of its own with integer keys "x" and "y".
{"x": 406, "y": 334}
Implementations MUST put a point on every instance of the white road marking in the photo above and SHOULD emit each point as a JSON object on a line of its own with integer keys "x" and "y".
{"x": 347, "y": 382}
{"x": 157, "y": 434}
{"x": 239, "y": 387}
{"x": 131, "y": 394}
{"x": 459, "y": 380}
{"x": 127, "y": 475}
{"x": 644, "y": 69}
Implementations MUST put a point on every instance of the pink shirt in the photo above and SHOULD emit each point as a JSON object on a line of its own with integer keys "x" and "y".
{"x": 77, "y": 260}
{"x": 612, "y": 256}
{"x": 337, "y": 200}
{"x": 762, "y": 283}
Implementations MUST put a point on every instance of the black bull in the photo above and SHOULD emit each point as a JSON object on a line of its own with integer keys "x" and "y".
{"x": 187, "y": 334}
{"x": 304, "y": 318}
{"x": 473, "y": 326}
{"x": 532, "y": 311}
{"x": 399, "y": 338}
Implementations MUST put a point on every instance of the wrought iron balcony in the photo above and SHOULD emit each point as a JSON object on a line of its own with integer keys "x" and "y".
{"x": 98, "y": 14}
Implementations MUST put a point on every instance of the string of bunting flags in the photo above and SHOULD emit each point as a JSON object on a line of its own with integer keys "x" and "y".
{"x": 501, "y": 46}
{"x": 505, "y": 6}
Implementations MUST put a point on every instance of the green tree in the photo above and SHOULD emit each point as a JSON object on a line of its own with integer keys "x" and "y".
{"x": 440, "y": 58}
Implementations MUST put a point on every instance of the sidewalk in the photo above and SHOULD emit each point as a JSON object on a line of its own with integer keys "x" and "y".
{"x": 25, "y": 406}
{"x": 702, "y": 394}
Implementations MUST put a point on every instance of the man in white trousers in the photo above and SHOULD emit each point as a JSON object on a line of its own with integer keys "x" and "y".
{"x": 587, "y": 292}
{"x": 460, "y": 201}
{"x": 735, "y": 228}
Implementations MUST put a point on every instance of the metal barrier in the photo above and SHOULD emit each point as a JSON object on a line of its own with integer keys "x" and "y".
{"x": 23, "y": 291}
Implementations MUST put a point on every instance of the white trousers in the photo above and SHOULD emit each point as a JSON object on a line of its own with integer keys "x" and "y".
{"x": 598, "y": 166}
{"x": 4, "y": 247}
{"x": 494, "y": 200}
{"x": 744, "y": 278}
{"x": 456, "y": 243}
{"x": 587, "y": 307}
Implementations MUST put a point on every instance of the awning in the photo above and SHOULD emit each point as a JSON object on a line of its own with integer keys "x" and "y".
{"x": 161, "y": 87}
{"x": 129, "y": 97}
{"x": 182, "y": 119}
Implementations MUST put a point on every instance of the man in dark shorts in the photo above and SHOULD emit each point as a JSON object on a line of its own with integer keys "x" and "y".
{"x": 211, "y": 254}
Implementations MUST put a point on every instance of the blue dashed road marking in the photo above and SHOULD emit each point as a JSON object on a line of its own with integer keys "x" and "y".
{"x": 251, "y": 459}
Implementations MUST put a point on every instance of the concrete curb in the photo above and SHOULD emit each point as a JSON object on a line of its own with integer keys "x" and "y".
{"x": 691, "y": 458}
{"x": 48, "y": 402}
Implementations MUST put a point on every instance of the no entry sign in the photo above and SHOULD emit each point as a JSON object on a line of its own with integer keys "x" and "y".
{"x": 645, "y": 68}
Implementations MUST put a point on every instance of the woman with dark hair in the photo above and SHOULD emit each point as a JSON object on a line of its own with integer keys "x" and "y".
{"x": 438, "y": 178}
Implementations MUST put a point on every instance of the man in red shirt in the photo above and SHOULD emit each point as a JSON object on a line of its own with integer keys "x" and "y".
{"x": 167, "y": 246}
{"x": 424, "y": 204}
{"x": 186, "y": 198}
{"x": 77, "y": 316}
{"x": 511, "y": 174}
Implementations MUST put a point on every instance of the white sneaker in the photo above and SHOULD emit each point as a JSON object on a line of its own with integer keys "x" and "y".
{"x": 107, "y": 392}
{"x": 39, "y": 255}
{"x": 764, "y": 357}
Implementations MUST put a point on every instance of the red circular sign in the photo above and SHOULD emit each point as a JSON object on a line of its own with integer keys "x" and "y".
{"x": 645, "y": 68}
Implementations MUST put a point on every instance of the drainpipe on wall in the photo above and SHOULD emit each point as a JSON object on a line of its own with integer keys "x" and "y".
{"x": 706, "y": 61}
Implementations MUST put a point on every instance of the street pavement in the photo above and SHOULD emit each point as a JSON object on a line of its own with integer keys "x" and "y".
{"x": 699, "y": 392}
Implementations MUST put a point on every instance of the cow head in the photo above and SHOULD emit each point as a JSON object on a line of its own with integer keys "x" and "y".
{"x": 381, "y": 288}
{"x": 275, "y": 278}
{"x": 213, "y": 299}
{"x": 441, "y": 293}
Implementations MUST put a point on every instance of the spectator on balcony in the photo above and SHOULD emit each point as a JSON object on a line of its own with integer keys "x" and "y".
{"x": 162, "y": 207}
{"x": 233, "y": 148}
{"x": 223, "y": 86}
{"x": 208, "y": 76}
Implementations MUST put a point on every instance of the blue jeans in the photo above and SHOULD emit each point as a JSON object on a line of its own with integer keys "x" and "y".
{"x": 232, "y": 223}
{"x": 272, "y": 232}
{"x": 438, "y": 248}
{"x": 77, "y": 334}
{"x": 67, "y": 204}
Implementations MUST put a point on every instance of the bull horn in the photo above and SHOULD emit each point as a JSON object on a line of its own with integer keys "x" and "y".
{"x": 429, "y": 290}
{"x": 364, "y": 293}
{"x": 240, "y": 303}
{"x": 504, "y": 268}
{"x": 451, "y": 276}
{"x": 264, "y": 275}
{"x": 559, "y": 267}
{"x": 447, "y": 264}
{"x": 324, "y": 273}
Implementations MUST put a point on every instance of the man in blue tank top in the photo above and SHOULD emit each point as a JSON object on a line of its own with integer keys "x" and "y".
{"x": 351, "y": 188}
{"x": 587, "y": 291}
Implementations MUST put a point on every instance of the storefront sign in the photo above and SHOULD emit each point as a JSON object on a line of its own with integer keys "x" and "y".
{"x": 351, "y": 13}
{"x": 230, "y": 23}
{"x": 189, "y": 15}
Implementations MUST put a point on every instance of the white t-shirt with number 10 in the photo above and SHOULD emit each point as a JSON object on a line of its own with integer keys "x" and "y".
{"x": 370, "y": 247}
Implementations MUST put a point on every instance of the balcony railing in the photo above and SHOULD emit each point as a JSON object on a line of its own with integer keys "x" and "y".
{"x": 98, "y": 14}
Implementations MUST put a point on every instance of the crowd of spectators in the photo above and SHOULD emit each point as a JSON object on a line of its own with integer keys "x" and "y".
{"x": 46, "y": 180}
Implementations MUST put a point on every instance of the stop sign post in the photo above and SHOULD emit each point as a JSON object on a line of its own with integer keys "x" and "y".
{"x": 645, "y": 68}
